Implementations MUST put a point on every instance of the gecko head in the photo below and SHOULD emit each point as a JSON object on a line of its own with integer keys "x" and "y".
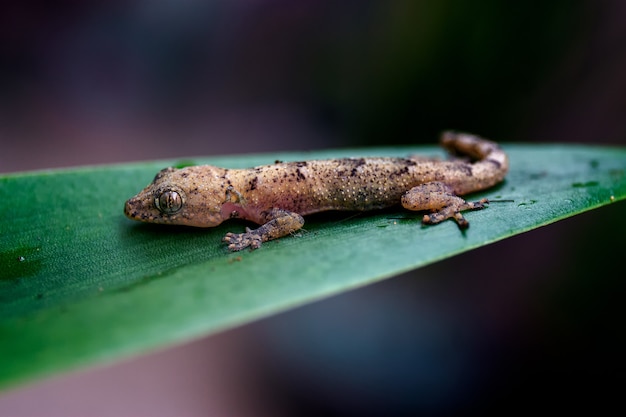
{"x": 191, "y": 196}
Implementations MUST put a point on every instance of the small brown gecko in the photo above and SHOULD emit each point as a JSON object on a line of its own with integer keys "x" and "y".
{"x": 277, "y": 196}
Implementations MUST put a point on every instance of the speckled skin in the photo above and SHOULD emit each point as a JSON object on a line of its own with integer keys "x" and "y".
{"x": 277, "y": 196}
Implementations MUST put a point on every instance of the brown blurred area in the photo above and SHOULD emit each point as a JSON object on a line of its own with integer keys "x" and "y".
{"x": 106, "y": 82}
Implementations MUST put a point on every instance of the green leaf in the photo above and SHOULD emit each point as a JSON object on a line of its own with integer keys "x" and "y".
{"x": 80, "y": 284}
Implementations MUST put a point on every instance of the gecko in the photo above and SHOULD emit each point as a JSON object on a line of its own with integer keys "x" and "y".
{"x": 277, "y": 196}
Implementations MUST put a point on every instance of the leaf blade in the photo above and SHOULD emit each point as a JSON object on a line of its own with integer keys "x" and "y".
{"x": 83, "y": 285}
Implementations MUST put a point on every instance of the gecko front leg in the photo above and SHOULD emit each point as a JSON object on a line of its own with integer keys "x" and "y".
{"x": 441, "y": 200}
{"x": 278, "y": 223}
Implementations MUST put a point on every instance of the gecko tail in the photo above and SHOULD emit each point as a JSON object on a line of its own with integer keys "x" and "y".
{"x": 490, "y": 165}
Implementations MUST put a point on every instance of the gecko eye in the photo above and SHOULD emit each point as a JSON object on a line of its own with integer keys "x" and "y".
{"x": 168, "y": 202}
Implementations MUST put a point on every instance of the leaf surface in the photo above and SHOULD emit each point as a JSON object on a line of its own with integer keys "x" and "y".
{"x": 80, "y": 284}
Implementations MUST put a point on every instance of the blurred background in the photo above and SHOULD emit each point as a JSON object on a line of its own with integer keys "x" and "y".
{"x": 533, "y": 321}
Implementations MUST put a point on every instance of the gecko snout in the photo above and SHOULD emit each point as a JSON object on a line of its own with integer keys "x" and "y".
{"x": 141, "y": 208}
{"x": 132, "y": 209}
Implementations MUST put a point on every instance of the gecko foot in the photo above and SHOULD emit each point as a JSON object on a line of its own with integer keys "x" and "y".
{"x": 240, "y": 241}
{"x": 454, "y": 212}
{"x": 279, "y": 223}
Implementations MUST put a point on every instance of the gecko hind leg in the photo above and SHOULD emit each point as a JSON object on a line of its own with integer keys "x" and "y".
{"x": 279, "y": 223}
{"x": 441, "y": 200}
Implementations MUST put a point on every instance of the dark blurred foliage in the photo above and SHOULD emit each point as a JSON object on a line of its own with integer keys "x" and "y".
{"x": 96, "y": 82}
{"x": 532, "y": 323}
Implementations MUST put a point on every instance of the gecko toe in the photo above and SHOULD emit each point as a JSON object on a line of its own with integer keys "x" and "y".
{"x": 461, "y": 221}
{"x": 240, "y": 241}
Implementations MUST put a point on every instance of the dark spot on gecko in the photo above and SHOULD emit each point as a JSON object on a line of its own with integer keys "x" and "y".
{"x": 410, "y": 162}
{"x": 402, "y": 171}
{"x": 161, "y": 173}
{"x": 494, "y": 162}
{"x": 300, "y": 175}
{"x": 351, "y": 162}
{"x": 466, "y": 168}
{"x": 278, "y": 161}
{"x": 301, "y": 164}
{"x": 355, "y": 164}
{"x": 253, "y": 183}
